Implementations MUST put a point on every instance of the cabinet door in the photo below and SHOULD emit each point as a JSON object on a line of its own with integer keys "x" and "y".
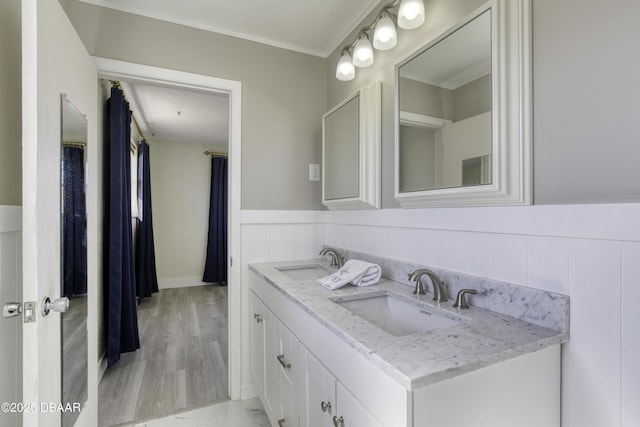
{"x": 272, "y": 396}
{"x": 317, "y": 392}
{"x": 351, "y": 411}
{"x": 256, "y": 356}
{"x": 288, "y": 371}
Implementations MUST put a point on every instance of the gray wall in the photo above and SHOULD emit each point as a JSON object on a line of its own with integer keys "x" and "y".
{"x": 440, "y": 15}
{"x": 472, "y": 99}
{"x": 585, "y": 66}
{"x": 461, "y": 103}
{"x": 180, "y": 184}
{"x": 283, "y": 95}
{"x": 10, "y": 104}
{"x": 423, "y": 98}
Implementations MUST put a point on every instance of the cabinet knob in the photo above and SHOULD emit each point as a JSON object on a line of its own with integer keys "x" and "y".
{"x": 338, "y": 422}
{"x": 284, "y": 364}
{"x": 281, "y": 422}
{"x": 325, "y": 406}
{"x": 258, "y": 317}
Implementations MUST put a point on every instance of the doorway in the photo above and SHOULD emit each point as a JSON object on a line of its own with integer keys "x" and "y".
{"x": 122, "y": 71}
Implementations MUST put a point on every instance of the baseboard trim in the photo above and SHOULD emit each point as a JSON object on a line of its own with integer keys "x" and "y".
{"x": 248, "y": 391}
{"x": 181, "y": 282}
{"x": 102, "y": 366}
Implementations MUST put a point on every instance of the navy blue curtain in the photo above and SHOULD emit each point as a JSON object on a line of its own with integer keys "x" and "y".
{"x": 215, "y": 269}
{"x": 147, "y": 279}
{"x": 74, "y": 222}
{"x": 120, "y": 282}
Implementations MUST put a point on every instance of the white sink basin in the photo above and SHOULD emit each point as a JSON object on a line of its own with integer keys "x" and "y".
{"x": 305, "y": 272}
{"x": 394, "y": 314}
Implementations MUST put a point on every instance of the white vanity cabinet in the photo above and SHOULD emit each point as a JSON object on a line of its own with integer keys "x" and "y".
{"x": 256, "y": 356}
{"x": 274, "y": 364}
{"x": 312, "y": 376}
{"x": 325, "y": 401}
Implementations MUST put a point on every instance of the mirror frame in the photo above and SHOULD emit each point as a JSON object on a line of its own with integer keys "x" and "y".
{"x": 370, "y": 147}
{"x": 511, "y": 114}
{"x": 70, "y": 417}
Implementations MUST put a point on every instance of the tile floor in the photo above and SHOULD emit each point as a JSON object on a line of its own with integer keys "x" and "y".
{"x": 232, "y": 413}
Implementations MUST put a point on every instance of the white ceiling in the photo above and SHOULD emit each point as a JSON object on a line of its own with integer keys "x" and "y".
{"x": 458, "y": 59}
{"x": 179, "y": 115}
{"x": 315, "y": 27}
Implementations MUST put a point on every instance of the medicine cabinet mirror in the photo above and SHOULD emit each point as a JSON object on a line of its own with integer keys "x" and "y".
{"x": 463, "y": 113}
{"x": 351, "y": 151}
{"x": 73, "y": 220}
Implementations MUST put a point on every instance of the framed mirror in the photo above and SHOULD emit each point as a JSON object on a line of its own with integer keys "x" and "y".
{"x": 463, "y": 103}
{"x": 73, "y": 221}
{"x": 351, "y": 151}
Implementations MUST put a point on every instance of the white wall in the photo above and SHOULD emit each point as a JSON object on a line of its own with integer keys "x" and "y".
{"x": 180, "y": 185}
{"x": 461, "y": 140}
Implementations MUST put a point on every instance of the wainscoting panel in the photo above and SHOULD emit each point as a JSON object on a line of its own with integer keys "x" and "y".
{"x": 590, "y": 252}
{"x": 273, "y": 236}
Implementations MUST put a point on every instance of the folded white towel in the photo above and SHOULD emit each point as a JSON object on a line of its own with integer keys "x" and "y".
{"x": 360, "y": 273}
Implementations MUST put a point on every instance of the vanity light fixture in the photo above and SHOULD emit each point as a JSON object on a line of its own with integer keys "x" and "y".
{"x": 385, "y": 36}
{"x": 410, "y": 14}
{"x": 360, "y": 52}
{"x": 346, "y": 70}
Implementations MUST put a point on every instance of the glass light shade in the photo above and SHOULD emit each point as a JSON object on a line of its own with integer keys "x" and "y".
{"x": 345, "y": 70}
{"x": 385, "y": 36}
{"x": 363, "y": 52}
{"x": 410, "y": 14}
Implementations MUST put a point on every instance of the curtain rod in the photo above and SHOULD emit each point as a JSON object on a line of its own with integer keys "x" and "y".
{"x": 116, "y": 83}
{"x": 74, "y": 144}
{"x": 215, "y": 154}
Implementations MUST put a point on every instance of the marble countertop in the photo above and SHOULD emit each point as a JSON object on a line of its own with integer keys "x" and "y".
{"x": 481, "y": 339}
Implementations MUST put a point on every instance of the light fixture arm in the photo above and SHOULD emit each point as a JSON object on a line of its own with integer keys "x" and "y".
{"x": 387, "y": 8}
{"x": 380, "y": 43}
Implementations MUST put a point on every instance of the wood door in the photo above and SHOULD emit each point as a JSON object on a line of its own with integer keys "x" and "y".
{"x": 54, "y": 62}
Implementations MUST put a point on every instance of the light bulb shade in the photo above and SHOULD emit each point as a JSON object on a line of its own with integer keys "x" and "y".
{"x": 363, "y": 52}
{"x": 345, "y": 70}
{"x": 410, "y": 14}
{"x": 385, "y": 36}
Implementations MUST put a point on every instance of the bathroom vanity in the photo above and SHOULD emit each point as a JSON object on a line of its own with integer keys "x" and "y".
{"x": 317, "y": 361}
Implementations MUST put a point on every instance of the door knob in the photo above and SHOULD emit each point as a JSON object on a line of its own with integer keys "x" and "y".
{"x": 60, "y": 305}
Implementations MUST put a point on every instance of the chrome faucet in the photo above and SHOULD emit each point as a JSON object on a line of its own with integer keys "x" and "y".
{"x": 337, "y": 260}
{"x": 438, "y": 292}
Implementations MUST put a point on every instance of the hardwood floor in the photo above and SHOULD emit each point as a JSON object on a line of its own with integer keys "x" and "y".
{"x": 74, "y": 356}
{"x": 182, "y": 363}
